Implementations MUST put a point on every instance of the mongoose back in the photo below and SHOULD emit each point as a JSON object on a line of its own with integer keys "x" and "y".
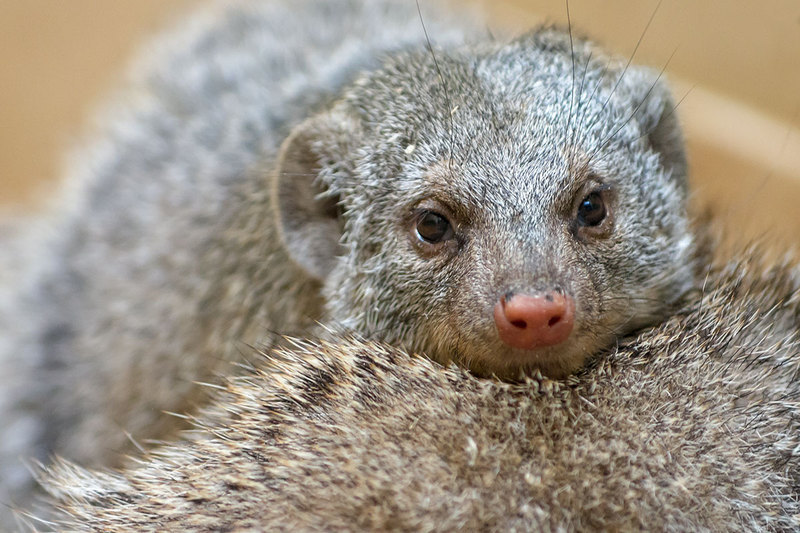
{"x": 510, "y": 205}
{"x": 691, "y": 426}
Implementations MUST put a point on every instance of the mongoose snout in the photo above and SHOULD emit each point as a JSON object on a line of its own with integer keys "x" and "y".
{"x": 532, "y": 321}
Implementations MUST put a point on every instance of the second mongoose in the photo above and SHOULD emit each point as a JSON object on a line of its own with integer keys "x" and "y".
{"x": 690, "y": 426}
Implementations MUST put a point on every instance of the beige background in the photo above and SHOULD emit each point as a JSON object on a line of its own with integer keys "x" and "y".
{"x": 741, "y": 60}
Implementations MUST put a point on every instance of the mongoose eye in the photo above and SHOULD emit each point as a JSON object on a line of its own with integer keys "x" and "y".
{"x": 433, "y": 228}
{"x": 592, "y": 210}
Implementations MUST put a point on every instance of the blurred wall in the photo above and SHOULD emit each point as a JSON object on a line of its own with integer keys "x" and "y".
{"x": 735, "y": 63}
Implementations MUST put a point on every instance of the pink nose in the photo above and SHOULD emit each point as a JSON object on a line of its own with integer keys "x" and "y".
{"x": 528, "y": 322}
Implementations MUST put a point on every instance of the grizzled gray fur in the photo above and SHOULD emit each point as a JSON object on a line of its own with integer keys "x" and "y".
{"x": 269, "y": 167}
{"x": 691, "y": 426}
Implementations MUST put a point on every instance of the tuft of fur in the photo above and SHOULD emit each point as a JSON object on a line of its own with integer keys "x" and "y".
{"x": 262, "y": 174}
{"x": 691, "y": 426}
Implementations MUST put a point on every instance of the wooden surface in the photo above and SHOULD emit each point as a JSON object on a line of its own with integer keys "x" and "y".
{"x": 741, "y": 57}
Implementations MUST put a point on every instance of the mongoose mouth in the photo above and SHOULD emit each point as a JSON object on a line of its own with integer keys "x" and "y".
{"x": 555, "y": 362}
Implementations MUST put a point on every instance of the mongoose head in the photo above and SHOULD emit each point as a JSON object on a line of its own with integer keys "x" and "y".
{"x": 509, "y": 207}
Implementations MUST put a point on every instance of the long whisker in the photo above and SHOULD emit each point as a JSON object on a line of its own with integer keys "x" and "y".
{"x": 610, "y": 137}
{"x": 669, "y": 113}
{"x": 633, "y": 54}
{"x": 448, "y": 102}
{"x": 591, "y": 96}
{"x": 576, "y": 138}
{"x": 572, "y": 89}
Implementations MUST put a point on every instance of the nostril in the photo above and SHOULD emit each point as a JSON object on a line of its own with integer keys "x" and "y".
{"x": 531, "y": 321}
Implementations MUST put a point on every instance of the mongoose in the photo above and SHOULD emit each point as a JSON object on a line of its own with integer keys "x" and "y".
{"x": 511, "y": 205}
{"x": 692, "y": 426}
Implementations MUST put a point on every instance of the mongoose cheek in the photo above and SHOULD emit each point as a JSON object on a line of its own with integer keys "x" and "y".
{"x": 530, "y": 321}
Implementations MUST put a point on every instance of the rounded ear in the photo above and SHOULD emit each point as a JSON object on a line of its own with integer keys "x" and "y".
{"x": 304, "y": 192}
{"x": 659, "y": 122}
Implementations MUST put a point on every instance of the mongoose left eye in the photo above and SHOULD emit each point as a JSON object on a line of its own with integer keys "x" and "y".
{"x": 592, "y": 210}
{"x": 433, "y": 227}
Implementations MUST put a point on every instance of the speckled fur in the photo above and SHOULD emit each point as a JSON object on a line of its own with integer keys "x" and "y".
{"x": 192, "y": 225}
{"x": 692, "y": 426}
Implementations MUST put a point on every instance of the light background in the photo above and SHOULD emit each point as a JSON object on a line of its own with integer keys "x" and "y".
{"x": 741, "y": 60}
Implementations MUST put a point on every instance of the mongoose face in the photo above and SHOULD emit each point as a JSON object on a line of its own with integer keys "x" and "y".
{"x": 505, "y": 207}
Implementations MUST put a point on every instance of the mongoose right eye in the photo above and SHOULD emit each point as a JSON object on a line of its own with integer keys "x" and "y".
{"x": 592, "y": 210}
{"x": 433, "y": 228}
{"x": 593, "y": 215}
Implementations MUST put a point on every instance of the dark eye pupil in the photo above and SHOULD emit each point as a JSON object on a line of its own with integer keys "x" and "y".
{"x": 433, "y": 227}
{"x": 592, "y": 210}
